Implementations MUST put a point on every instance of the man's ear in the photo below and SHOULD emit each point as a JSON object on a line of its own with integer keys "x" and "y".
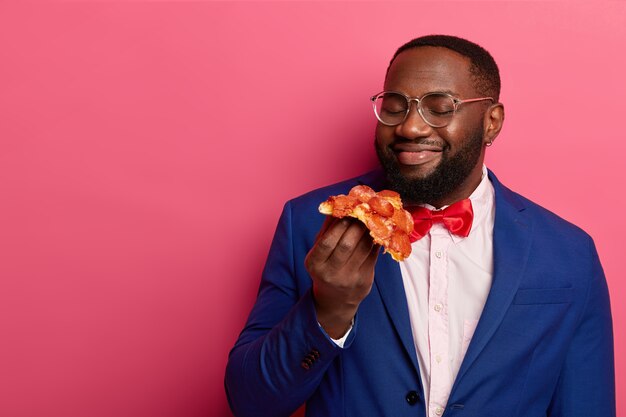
{"x": 492, "y": 123}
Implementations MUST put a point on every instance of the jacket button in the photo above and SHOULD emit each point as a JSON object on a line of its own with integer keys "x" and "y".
{"x": 412, "y": 397}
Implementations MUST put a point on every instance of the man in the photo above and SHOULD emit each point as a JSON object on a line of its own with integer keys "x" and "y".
{"x": 509, "y": 318}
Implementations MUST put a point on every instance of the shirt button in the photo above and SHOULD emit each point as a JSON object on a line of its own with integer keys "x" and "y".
{"x": 439, "y": 411}
{"x": 438, "y": 254}
{"x": 437, "y": 307}
{"x": 438, "y": 358}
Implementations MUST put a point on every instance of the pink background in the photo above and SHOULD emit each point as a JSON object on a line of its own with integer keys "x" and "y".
{"x": 146, "y": 150}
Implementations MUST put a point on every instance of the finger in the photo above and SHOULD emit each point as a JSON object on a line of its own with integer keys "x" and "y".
{"x": 326, "y": 243}
{"x": 327, "y": 223}
{"x": 347, "y": 244}
{"x": 370, "y": 261}
{"x": 362, "y": 250}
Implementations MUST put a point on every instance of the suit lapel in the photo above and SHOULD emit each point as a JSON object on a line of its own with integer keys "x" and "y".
{"x": 390, "y": 286}
{"x": 511, "y": 244}
{"x": 389, "y": 283}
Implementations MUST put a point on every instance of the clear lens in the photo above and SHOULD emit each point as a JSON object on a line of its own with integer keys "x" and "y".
{"x": 436, "y": 109}
{"x": 391, "y": 108}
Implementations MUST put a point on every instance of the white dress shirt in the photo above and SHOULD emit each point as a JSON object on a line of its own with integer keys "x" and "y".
{"x": 446, "y": 280}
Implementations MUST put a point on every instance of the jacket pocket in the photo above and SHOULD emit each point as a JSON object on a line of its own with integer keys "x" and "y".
{"x": 544, "y": 296}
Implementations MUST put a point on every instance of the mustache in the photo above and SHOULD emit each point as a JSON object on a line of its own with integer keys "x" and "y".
{"x": 423, "y": 141}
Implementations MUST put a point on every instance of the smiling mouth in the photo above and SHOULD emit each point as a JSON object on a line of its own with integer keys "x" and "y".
{"x": 417, "y": 157}
{"x": 416, "y": 153}
{"x": 417, "y": 147}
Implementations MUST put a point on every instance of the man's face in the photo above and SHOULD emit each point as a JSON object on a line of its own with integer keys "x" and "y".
{"x": 425, "y": 164}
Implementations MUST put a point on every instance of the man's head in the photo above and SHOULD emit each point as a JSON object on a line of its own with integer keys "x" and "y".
{"x": 483, "y": 68}
{"x": 443, "y": 164}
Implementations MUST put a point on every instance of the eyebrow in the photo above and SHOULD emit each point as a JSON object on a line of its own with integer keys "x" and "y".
{"x": 452, "y": 93}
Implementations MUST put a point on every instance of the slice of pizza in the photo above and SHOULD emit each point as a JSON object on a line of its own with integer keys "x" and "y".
{"x": 389, "y": 224}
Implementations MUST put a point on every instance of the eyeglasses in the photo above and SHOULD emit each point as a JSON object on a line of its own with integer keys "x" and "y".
{"x": 437, "y": 109}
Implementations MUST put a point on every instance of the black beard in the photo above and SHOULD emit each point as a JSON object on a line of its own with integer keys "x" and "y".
{"x": 447, "y": 177}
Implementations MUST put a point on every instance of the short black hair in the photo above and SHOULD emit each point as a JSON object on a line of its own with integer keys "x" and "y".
{"x": 483, "y": 67}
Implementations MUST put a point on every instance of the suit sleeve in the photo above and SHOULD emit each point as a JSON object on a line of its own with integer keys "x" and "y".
{"x": 586, "y": 386}
{"x": 282, "y": 354}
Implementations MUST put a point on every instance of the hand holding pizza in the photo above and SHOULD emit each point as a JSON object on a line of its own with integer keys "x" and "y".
{"x": 342, "y": 261}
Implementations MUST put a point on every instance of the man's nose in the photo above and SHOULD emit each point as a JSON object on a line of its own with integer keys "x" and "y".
{"x": 413, "y": 126}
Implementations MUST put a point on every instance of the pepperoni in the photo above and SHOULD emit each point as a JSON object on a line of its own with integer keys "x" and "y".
{"x": 381, "y": 206}
{"x": 362, "y": 192}
{"x": 379, "y": 227}
{"x": 392, "y": 197}
{"x": 399, "y": 246}
{"x": 343, "y": 205}
{"x": 403, "y": 221}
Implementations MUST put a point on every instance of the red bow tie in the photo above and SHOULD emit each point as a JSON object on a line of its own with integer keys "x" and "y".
{"x": 457, "y": 218}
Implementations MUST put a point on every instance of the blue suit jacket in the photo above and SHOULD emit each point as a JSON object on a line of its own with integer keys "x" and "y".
{"x": 543, "y": 345}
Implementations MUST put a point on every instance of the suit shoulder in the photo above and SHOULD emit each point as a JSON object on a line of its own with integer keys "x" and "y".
{"x": 547, "y": 222}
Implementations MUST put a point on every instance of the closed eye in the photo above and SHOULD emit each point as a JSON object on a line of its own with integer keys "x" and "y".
{"x": 441, "y": 113}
